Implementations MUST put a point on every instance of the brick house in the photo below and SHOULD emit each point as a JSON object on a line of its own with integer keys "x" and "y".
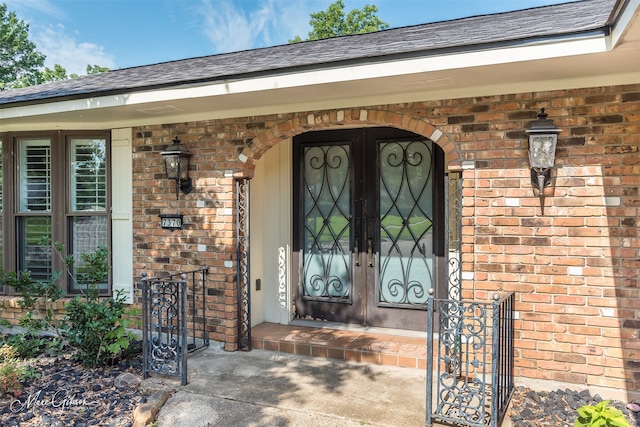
{"x": 319, "y": 129}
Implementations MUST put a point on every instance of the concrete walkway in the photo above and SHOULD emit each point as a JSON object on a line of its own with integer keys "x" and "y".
{"x": 263, "y": 388}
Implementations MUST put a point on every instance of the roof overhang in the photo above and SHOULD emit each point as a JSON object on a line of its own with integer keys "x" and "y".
{"x": 609, "y": 56}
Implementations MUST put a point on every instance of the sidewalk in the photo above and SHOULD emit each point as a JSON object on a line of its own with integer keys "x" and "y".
{"x": 264, "y": 388}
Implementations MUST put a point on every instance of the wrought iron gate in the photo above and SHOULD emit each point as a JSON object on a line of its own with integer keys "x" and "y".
{"x": 173, "y": 321}
{"x": 473, "y": 346}
{"x": 469, "y": 343}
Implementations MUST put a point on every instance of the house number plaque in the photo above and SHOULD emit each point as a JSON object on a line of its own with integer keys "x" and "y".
{"x": 171, "y": 222}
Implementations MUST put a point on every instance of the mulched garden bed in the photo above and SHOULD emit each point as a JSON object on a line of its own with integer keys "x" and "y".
{"x": 64, "y": 393}
{"x": 557, "y": 408}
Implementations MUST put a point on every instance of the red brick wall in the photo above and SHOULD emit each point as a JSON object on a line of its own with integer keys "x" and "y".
{"x": 575, "y": 270}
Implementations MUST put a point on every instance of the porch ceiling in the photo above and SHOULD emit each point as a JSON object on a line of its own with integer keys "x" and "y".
{"x": 586, "y": 60}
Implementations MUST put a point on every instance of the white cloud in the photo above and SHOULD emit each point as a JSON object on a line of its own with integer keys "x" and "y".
{"x": 62, "y": 48}
{"x": 226, "y": 26}
{"x": 25, "y": 7}
{"x": 232, "y": 26}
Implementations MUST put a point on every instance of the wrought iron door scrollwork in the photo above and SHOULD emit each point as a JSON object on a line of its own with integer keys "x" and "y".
{"x": 327, "y": 215}
{"x": 406, "y": 222}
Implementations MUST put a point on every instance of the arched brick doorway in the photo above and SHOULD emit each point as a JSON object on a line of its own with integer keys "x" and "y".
{"x": 277, "y": 295}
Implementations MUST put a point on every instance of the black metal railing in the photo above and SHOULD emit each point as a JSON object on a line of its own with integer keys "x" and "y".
{"x": 470, "y": 376}
{"x": 173, "y": 321}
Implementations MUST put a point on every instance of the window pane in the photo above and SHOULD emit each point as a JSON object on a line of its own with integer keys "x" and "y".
{"x": 88, "y": 232}
{"x": 35, "y": 175}
{"x": 88, "y": 175}
{"x": 35, "y": 257}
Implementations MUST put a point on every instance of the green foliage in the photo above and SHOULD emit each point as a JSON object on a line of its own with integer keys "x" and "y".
{"x": 52, "y": 75}
{"x": 21, "y": 64}
{"x": 25, "y": 346}
{"x": 38, "y": 298}
{"x": 92, "y": 326}
{"x": 11, "y": 374}
{"x": 19, "y": 59}
{"x": 96, "y": 69}
{"x": 93, "y": 270}
{"x": 333, "y": 22}
{"x": 8, "y": 352}
{"x": 96, "y": 329}
{"x": 600, "y": 415}
{"x": 135, "y": 317}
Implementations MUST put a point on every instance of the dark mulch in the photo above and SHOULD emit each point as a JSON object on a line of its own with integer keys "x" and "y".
{"x": 557, "y": 408}
{"x": 64, "y": 393}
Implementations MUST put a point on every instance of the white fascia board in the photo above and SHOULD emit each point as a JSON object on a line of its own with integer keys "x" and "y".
{"x": 496, "y": 56}
{"x": 624, "y": 20}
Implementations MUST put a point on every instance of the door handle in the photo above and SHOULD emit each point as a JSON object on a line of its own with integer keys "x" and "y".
{"x": 357, "y": 251}
{"x": 370, "y": 252}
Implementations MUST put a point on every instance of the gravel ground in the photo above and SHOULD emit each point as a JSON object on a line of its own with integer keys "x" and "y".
{"x": 64, "y": 394}
{"x": 557, "y": 408}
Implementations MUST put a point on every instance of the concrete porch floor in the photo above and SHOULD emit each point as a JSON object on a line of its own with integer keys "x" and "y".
{"x": 266, "y": 388}
{"x": 304, "y": 375}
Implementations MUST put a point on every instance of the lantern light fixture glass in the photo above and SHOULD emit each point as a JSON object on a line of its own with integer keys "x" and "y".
{"x": 543, "y": 139}
{"x": 176, "y": 162}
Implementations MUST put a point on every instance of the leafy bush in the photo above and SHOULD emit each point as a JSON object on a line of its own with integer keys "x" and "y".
{"x": 38, "y": 299}
{"x": 92, "y": 325}
{"x": 96, "y": 329}
{"x": 7, "y": 352}
{"x": 11, "y": 373}
{"x": 600, "y": 415}
{"x": 26, "y": 346}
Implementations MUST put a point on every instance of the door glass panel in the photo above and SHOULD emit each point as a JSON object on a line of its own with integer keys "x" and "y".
{"x": 406, "y": 264}
{"x": 326, "y": 217}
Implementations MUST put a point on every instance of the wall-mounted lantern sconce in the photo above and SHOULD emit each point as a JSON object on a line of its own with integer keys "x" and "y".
{"x": 176, "y": 162}
{"x": 543, "y": 138}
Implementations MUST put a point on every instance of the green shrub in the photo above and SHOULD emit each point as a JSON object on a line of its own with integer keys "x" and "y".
{"x": 92, "y": 325}
{"x": 37, "y": 298}
{"x": 600, "y": 415}
{"x": 26, "y": 346}
{"x": 96, "y": 329}
{"x": 11, "y": 373}
{"x": 7, "y": 352}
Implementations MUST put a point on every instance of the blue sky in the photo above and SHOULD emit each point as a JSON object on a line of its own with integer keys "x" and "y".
{"x": 127, "y": 33}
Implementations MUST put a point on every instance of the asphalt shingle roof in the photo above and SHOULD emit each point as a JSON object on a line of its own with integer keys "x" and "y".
{"x": 466, "y": 33}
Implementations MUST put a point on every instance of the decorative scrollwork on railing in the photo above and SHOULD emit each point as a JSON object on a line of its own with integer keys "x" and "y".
{"x": 171, "y": 326}
{"x": 463, "y": 337}
{"x": 282, "y": 277}
{"x": 472, "y": 380}
{"x": 244, "y": 279}
{"x": 454, "y": 231}
{"x": 164, "y": 326}
{"x": 164, "y": 305}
